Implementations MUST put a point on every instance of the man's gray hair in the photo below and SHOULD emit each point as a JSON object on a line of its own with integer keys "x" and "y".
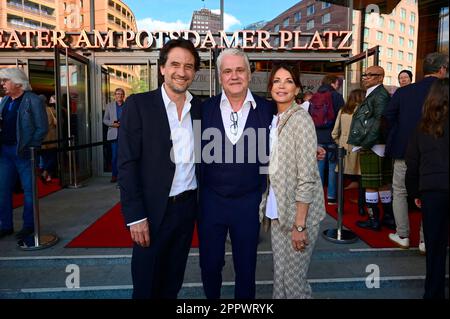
{"x": 235, "y": 52}
{"x": 16, "y": 76}
{"x": 433, "y": 62}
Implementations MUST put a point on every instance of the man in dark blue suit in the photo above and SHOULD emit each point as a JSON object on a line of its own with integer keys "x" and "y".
{"x": 157, "y": 175}
{"x": 403, "y": 114}
{"x": 234, "y": 136}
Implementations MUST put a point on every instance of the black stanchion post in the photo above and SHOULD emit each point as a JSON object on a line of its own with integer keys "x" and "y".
{"x": 40, "y": 241}
{"x": 339, "y": 235}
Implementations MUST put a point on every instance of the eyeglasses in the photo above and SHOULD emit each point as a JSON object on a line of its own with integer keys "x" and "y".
{"x": 369, "y": 75}
{"x": 234, "y": 123}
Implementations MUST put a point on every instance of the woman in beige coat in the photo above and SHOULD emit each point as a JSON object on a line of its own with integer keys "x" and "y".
{"x": 293, "y": 204}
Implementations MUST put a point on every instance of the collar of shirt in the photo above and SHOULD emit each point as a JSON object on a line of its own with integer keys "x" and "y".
{"x": 370, "y": 90}
{"x": 249, "y": 99}
{"x": 168, "y": 103}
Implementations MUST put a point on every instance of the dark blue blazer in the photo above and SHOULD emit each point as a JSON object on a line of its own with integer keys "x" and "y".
{"x": 265, "y": 110}
{"x": 403, "y": 114}
{"x": 146, "y": 170}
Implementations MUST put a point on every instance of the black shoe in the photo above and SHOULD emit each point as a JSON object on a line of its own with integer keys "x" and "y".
{"x": 389, "y": 223}
{"x": 24, "y": 232}
{"x": 6, "y": 232}
{"x": 371, "y": 224}
{"x": 361, "y": 211}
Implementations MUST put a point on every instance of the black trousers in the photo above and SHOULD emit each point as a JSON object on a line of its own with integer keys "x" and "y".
{"x": 436, "y": 232}
{"x": 158, "y": 270}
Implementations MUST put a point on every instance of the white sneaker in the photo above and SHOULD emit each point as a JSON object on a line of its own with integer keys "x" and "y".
{"x": 422, "y": 249}
{"x": 400, "y": 242}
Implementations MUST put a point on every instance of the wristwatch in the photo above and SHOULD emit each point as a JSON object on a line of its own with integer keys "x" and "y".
{"x": 299, "y": 228}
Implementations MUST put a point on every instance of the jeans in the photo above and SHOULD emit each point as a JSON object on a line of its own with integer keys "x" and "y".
{"x": 10, "y": 165}
{"x": 329, "y": 161}
{"x": 114, "y": 148}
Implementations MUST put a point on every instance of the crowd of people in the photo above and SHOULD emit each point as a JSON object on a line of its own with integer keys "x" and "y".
{"x": 237, "y": 162}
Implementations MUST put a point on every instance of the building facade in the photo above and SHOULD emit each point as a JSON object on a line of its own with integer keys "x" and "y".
{"x": 204, "y": 20}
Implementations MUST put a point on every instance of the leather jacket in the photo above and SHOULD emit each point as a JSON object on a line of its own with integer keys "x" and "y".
{"x": 365, "y": 129}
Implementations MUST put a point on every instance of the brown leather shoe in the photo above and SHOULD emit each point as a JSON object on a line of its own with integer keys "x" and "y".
{"x": 113, "y": 179}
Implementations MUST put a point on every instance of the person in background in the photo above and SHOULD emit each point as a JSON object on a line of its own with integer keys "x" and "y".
{"x": 340, "y": 135}
{"x": 23, "y": 125}
{"x": 427, "y": 182}
{"x": 402, "y": 116}
{"x": 293, "y": 175}
{"x": 306, "y": 97}
{"x": 405, "y": 77}
{"x": 366, "y": 135}
{"x": 48, "y": 153}
{"x": 157, "y": 174}
{"x": 113, "y": 112}
{"x": 331, "y": 84}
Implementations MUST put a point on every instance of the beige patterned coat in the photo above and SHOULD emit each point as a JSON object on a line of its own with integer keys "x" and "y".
{"x": 293, "y": 171}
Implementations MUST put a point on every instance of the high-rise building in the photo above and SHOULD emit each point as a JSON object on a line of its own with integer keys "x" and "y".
{"x": 204, "y": 20}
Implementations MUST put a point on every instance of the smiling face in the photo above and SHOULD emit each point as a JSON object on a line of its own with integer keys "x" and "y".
{"x": 284, "y": 89}
{"x": 234, "y": 76}
{"x": 178, "y": 71}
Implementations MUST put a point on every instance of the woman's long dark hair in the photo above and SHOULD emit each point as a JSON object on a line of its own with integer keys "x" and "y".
{"x": 435, "y": 109}
{"x": 354, "y": 99}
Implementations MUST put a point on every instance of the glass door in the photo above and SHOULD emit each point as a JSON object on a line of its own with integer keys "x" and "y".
{"x": 73, "y": 111}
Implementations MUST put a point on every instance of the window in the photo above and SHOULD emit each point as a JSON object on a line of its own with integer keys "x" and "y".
{"x": 402, "y": 27}
{"x": 401, "y": 41}
{"x": 411, "y": 30}
{"x": 286, "y": 22}
{"x": 411, "y": 44}
{"x": 380, "y": 21}
{"x": 326, "y": 5}
{"x": 309, "y": 24}
{"x": 276, "y": 28}
{"x": 403, "y": 14}
{"x": 326, "y": 18}
{"x": 412, "y": 17}
{"x": 81, "y": 3}
{"x": 380, "y": 50}
{"x": 366, "y": 33}
{"x": 365, "y": 46}
{"x": 400, "y": 55}
{"x": 389, "y": 66}
{"x": 410, "y": 68}
{"x": 399, "y": 67}
{"x": 297, "y": 16}
{"x": 392, "y": 24}
{"x": 310, "y": 10}
{"x": 388, "y": 80}
{"x": 390, "y": 52}
{"x": 410, "y": 57}
{"x": 391, "y": 38}
{"x": 379, "y": 35}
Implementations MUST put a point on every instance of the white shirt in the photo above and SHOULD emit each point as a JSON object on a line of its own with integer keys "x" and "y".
{"x": 271, "y": 204}
{"x": 242, "y": 115}
{"x": 377, "y": 148}
{"x": 182, "y": 137}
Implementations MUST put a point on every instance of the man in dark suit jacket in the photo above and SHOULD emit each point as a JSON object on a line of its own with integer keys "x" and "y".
{"x": 157, "y": 175}
{"x": 403, "y": 114}
{"x": 231, "y": 179}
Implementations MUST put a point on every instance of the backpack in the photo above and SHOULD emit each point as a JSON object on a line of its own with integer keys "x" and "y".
{"x": 321, "y": 109}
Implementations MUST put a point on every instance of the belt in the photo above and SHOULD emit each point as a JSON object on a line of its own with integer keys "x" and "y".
{"x": 182, "y": 196}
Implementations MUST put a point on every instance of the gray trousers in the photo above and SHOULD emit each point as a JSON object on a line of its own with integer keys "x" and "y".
{"x": 290, "y": 266}
{"x": 400, "y": 200}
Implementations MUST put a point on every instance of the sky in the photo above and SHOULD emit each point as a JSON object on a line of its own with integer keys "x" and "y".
{"x": 154, "y": 15}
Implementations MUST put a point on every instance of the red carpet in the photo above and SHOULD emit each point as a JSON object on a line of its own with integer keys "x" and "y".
{"x": 109, "y": 231}
{"x": 373, "y": 238}
{"x": 43, "y": 190}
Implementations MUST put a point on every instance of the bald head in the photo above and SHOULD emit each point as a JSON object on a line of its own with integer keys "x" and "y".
{"x": 374, "y": 75}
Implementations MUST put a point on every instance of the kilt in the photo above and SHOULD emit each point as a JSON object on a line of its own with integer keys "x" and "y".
{"x": 376, "y": 171}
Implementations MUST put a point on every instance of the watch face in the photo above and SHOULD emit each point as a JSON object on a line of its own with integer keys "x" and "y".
{"x": 300, "y": 228}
